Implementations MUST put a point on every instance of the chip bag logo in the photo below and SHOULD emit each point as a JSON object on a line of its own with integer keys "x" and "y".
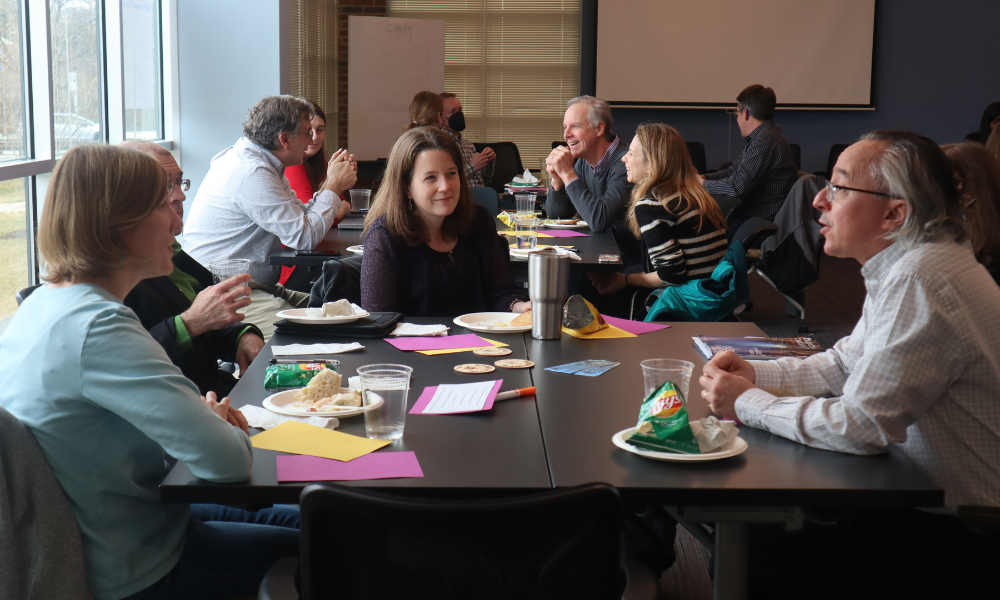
{"x": 667, "y": 405}
{"x": 312, "y": 367}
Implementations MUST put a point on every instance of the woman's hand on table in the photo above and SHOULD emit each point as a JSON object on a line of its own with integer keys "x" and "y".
{"x": 215, "y": 306}
{"x": 247, "y": 350}
{"x": 520, "y": 307}
{"x": 724, "y": 379}
{"x": 608, "y": 283}
{"x": 222, "y": 408}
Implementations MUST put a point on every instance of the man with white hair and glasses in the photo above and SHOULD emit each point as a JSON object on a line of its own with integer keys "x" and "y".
{"x": 920, "y": 372}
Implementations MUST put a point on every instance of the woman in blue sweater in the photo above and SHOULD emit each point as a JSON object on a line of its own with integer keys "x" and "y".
{"x": 107, "y": 406}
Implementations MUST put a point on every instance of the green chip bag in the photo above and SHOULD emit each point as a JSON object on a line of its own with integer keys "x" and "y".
{"x": 663, "y": 423}
{"x": 292, "y": 376}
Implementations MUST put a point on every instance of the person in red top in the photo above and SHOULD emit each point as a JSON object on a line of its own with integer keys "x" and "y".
{"x": 306, "y": 178}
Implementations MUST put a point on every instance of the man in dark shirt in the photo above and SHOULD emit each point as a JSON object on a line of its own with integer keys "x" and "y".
{"x": 766, "y": 171}
{"x": 588, "y": 177}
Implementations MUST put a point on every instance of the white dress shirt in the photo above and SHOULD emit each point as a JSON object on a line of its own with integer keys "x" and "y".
{"x": 246, "y": 209}
{"x": 921, "y": 370}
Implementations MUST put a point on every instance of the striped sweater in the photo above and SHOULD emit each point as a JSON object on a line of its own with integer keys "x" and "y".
{"x": 676, "y": 248}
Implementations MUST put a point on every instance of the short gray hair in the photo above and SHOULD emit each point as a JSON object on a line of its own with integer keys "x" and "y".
{"x": 599, "y": 112}
{"x": 913, "y": 168}
{"x": 272, "y": 116}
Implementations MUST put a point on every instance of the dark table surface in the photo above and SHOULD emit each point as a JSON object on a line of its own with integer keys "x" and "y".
{"x": 499, "y": 451}
{"x": 579, "y": 416}
{"x": 590, "y": 249}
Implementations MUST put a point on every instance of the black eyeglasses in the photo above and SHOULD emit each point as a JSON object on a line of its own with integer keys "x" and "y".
{"x": 184, "y": 184}
{"x": 831, "y": 190}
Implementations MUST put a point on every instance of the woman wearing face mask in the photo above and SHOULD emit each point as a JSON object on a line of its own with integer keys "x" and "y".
{"x": 682, "y": 229}
{"x": 478, "y": 165}
{"x": 429, "y": 250}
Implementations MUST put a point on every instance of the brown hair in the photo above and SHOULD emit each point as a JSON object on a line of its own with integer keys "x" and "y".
{"x": 672, "y": 178}
{"x": 978, "y": 173}
{"x": 424, "y": 109}
{"x": 96, "y": 193}
{"x": 993, "y": 142}
{"x": 392, "y": 201}
{"x": 315, "y": 165}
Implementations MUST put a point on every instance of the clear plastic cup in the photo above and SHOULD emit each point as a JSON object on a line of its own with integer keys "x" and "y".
{"x": 389, "y": 384}
{"x": 525, "y": 232}
{"x": 224, "y": 269}
{"x": 657, "y": 371}
{"x": 359, "y": 199}
{"x": 525, "y": 204}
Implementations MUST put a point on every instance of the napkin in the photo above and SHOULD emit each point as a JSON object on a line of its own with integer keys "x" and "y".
{"x": 265, "y": 419}
{"x": 714, "y": 435}
{"x": 414, "y": 330}
{"x": 310, "y": 349}
{"x": 340, "y": 308}
{"x": 526, "y": 178}
{"x": 550, "y": 250}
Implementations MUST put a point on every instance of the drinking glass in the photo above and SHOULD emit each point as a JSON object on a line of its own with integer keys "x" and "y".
{"x": 525, "y": 204}
{"x": 526, "y": 232}
{"x": 359, "y": 199}
{"x": 657, "y": 371}
{"x": 543, "y": 175}
{"x": 391, "y": 383}
{"x": 224, "y": 269}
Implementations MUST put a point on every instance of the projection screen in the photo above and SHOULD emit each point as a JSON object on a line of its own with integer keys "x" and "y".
{"x": 701, "y": 53}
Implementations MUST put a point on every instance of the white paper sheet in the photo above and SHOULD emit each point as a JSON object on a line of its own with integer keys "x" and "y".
{"x": 460, "y": 397}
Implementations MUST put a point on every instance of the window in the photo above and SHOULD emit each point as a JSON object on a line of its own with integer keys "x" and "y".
{"x": 512, "y": 63}
{"x": 77, "y": 59}
{"x": 12, "y": 123}
{"x": 314, "y": 38}
{"x": 13, "y": 243}
{"x": 142, "y": 67}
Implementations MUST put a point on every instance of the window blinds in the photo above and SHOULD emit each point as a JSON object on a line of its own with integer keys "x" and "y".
{"x": 512, "y": 63}
{"x": 314, "y": 38}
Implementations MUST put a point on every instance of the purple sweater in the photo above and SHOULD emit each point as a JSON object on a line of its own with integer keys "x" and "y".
{"x": 421, "y": 282}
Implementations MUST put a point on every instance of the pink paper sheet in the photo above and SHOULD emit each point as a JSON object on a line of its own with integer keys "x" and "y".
{"x": 636, "y": 327}
{"x": 563, "y": 233}
{"x": 448, "y": 342}
{"x": 377, "y": 465}
{"x": 428, "y": 393}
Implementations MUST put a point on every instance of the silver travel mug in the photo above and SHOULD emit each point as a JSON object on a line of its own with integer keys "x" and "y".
{"x": 548, "y": 279}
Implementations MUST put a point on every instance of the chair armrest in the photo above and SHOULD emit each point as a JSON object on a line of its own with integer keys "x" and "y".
{"x": 754, "y": 231}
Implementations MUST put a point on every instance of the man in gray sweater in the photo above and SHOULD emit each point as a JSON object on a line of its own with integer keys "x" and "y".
{"x": 588, "y": 177}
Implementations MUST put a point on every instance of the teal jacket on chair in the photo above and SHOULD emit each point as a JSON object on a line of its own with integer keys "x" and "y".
{"x": 708, "y": 299}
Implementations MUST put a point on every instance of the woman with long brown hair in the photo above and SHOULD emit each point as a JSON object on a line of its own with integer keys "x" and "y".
{"x": 977, "y": 173}
{"x": 429, "y": 249}
{"x": 682, "y": 229}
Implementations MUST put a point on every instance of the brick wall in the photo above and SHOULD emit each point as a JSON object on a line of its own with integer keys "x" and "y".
{"x": 368, "y": 8}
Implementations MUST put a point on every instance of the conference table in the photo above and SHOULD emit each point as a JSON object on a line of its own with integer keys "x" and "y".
{"x": 589, "y": 249}
{"x": 561, "y": 437}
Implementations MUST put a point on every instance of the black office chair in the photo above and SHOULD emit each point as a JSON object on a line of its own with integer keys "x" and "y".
{"x": 796, "y": 155}
{"x": 361, "y": 544}
{"x": 507, "y": 164}
{"x": 559, "y": 143}
{"x": 697, "y": 152}
{"x": 831, "y": 162}
{"x": 487, "y": 196}
{"x": 727, "y": 204}
{"x": 22, "y": 294}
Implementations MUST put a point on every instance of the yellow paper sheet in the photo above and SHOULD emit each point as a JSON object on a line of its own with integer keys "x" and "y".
{"x": 298, "y": 438}
{"x": 454, "y": 350}
{"x": 513, "y": 232}
{"x": 607, "y": 333}
{"x": 514, "y": 247}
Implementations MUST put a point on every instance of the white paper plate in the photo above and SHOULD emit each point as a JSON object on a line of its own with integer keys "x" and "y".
{"x": 739, "y": 446}
{"x": 281, "y": 403}
{"x": 490, "y": 322}
{"x": 551, "y": 225}
{"x": 359, "y": 249}
{"x": 298, "y": 315}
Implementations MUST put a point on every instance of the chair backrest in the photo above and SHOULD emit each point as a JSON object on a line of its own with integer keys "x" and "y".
{"x": 728, "y": 204}
{"x": 697, "y": 152}
{"x": 40, "y": 551}
{"x": 558, "y": 544}
{"x": 22, "y": 294}
{"x": 507, "y": 164}
{"x": 796, "y": 155}
{"x": 559, "y": 143}
{"x": 341, "y": 278}
{"x": 831, "y": 162}
{"x": 487, "y": 196}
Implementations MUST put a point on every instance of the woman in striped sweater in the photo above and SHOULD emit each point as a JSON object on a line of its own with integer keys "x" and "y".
{"x": 682, "y": 229}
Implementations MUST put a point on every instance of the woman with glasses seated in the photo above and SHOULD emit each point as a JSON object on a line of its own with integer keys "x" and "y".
{"x": 429, "y": 249}
{"x": 681, "y": 227}
{"x": 109, "y": 409}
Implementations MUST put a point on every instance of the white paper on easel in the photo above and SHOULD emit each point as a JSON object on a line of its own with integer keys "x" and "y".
{"x": 389, "y": 61}
{"x": 460, "y": 397}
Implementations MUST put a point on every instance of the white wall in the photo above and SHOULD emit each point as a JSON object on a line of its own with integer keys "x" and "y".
{"x": 231, "y": 53}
